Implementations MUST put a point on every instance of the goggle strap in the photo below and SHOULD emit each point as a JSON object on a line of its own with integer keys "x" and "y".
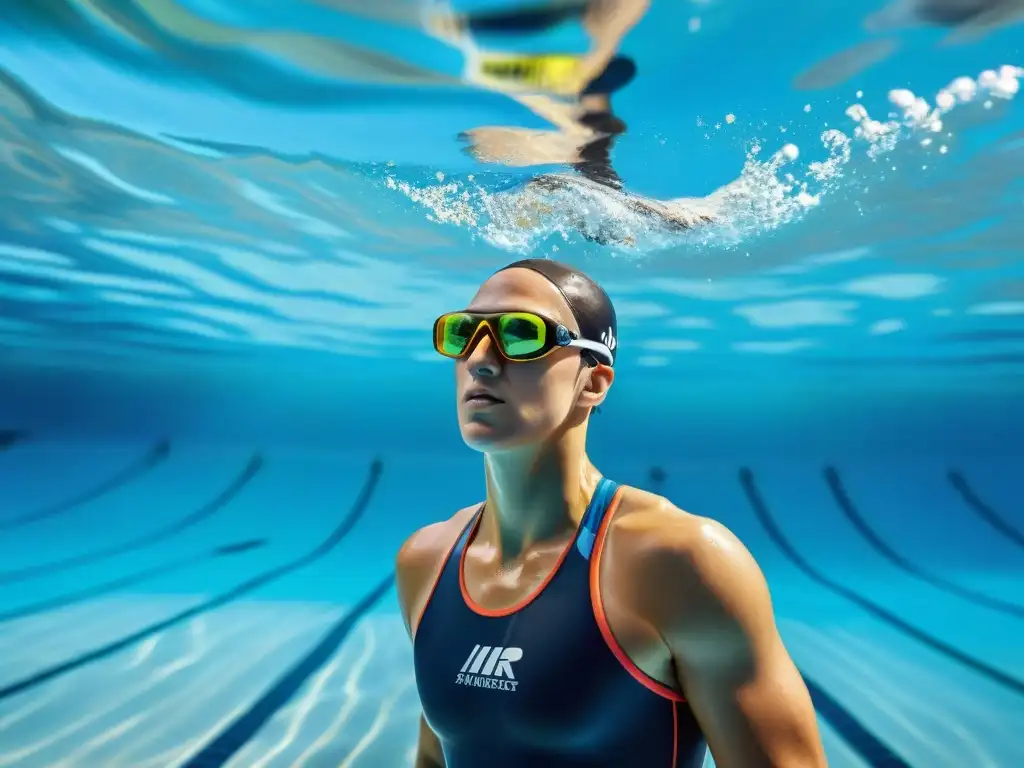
{"x": 593, "y": 346}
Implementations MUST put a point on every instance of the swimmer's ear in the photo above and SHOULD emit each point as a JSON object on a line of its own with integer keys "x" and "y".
{"x": 595, "y": 389}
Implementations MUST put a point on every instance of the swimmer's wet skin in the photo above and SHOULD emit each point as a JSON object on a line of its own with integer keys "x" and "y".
{"x": 674, "y": 216}
{"x": 543, "y": 633}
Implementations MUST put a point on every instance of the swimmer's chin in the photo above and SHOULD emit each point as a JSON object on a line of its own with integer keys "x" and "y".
{"x": 482, "y": 443}
{"x": 482, "y": 437}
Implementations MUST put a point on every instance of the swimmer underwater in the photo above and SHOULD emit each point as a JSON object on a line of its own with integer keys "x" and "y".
{"x": 568, "y": 620}
{"x": 570, "y": 90}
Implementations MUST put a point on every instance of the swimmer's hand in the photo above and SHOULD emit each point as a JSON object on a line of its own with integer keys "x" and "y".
{"x": 532, "y": 204}
{"x": 680, "y": 213}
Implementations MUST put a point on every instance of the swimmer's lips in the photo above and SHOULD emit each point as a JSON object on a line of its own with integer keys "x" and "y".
{"x": 481, "y": 398}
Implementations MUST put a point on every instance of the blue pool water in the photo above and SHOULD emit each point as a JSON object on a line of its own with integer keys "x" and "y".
{"x": 226, "y": 227}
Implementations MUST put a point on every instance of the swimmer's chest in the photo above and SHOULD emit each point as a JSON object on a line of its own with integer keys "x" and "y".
{"x": 541, "y": 678}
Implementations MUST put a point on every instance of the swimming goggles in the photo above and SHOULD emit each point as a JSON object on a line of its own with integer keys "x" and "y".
{"x": 519, "y": 336}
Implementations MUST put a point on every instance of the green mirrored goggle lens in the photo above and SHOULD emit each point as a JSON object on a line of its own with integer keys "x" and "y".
{"x": 519, "y": 334}
{"x": 457, "y": 332}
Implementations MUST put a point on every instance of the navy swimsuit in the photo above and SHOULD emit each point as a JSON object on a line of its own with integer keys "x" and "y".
{"x": 543, "y": 683}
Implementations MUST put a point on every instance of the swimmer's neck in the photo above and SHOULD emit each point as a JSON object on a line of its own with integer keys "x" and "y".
{"x": 536, "y": 494}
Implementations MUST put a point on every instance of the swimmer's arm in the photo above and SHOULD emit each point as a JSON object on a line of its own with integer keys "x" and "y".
{"x": 608, "y": 22}
{"x": 717, "y": 619}
{"x": 428, "y": 748}
{"x": 416, "y": 569}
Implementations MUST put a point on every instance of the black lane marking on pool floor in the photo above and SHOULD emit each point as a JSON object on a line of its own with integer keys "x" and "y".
{"x": 153, "y": 458}
{"x": 123, "y": 582}
{"x": 267, "y": 577}
{"x": 11, "y": 437}
{"x": 235, "y": 736}
{"x": 98, "y": 555}
{"x": 766, "y": 519}
{"x": 985, "y": 511}
{"x": 849, "y": 509}
{"x": 228, "y": 743}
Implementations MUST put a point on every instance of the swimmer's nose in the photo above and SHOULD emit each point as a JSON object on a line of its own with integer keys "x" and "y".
{"x": 484, "y": 360}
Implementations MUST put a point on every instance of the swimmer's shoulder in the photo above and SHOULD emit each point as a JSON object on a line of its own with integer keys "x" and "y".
{"x": 420, "y": 560}
{"x": 652, "y": 542}
{"x": 647, "y": 520}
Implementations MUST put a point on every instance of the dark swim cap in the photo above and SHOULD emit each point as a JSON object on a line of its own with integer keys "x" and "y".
{"x": 587, "y": 300}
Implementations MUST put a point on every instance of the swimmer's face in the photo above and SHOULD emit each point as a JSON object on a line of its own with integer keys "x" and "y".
{"x": 537, "y": 397}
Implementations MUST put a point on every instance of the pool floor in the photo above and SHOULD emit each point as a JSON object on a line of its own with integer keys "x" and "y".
{"x": 185, "y": 604}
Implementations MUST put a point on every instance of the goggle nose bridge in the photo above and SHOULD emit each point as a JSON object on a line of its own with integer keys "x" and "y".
{"x": 475, "y": 338}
